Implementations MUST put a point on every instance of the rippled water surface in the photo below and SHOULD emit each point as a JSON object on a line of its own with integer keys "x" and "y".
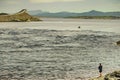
{"x": 36, "y": 53}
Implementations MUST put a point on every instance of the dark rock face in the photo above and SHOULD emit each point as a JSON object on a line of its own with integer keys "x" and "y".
{"x": 21, "y": 16}
{"x": 3, "y": 14}
{"x": 118, "y": 42}
{"x": 113, "y": 76}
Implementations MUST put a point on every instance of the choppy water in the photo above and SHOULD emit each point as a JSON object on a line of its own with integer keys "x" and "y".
{"x": 39, "y": 54}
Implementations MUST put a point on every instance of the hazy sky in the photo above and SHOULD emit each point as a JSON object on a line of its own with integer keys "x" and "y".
{"x": 60, "y": 5}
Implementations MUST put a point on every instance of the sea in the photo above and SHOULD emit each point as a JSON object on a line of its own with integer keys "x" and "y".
{"x": 58, "y": 49}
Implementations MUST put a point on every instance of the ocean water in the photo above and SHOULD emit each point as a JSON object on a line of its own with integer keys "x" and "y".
{"x": 67, "y": 24}
{"x": 57, "y": 49}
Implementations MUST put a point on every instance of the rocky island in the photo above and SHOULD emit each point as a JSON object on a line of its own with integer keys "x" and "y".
{"x": 21, "y": 16}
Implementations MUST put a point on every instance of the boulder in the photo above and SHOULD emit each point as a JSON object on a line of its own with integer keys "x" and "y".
{"x": 118, "y": 42}
{"x": 113, "y": 76}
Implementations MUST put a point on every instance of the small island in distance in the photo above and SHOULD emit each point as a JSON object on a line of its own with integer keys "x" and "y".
{"x": 21, "y": 16}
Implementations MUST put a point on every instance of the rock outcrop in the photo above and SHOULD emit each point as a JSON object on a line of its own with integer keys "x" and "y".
{"x": 118, "y": 42}
{"x": 111, "y": 76}
{"x": 3, "y": 14}
{"x": 21, "y": 16}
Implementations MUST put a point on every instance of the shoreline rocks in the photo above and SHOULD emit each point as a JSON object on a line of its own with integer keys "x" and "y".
{"x": 118, "y": 42}
{"x": 111, "y": 76}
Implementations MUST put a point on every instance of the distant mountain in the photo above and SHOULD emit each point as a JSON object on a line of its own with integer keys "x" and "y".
{"x": 69, "y": 14}
{"x": 21, "y": 16}
{"x": 92, "y": 13}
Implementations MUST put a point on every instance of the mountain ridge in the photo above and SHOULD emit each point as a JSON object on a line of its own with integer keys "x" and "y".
{"x": 73, "y": 14}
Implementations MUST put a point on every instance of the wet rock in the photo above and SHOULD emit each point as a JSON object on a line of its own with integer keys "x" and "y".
{"x": 118, "y": 42}
{"x": 113, "y": 76}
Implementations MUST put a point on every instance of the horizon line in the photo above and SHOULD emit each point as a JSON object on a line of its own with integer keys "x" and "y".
{"x": 59, "y": 11}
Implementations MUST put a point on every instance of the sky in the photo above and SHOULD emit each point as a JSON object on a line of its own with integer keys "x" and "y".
{"x": 11, "y": 6}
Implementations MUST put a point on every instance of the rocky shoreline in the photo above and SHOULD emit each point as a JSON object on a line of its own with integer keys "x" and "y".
{"x": 21, "y": 16}
{"x": 118, "y": 42}
{"x": 111, "y": 76}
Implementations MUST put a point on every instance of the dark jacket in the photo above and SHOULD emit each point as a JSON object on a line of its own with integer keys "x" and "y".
{"x": 100, "y": 68}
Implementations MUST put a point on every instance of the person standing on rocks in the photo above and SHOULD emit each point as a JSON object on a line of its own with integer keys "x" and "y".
{"x": 100, "y": 69}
